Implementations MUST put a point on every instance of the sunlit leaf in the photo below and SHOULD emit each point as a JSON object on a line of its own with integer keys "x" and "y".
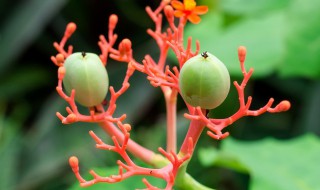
{"x": 303, "y": 40}
{"x": 249, "y": 7}
{"x": 274, "y": 164}
{"x": 211, "y": 157}
{"x": 262, "y": 36}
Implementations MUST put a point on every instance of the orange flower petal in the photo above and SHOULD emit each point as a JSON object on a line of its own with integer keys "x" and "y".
{"x": 177, "y": 5}
{"x": 189, "y": 4}
{"x": 200, "y": 10}
{"x": 194, "y": 18}
{"x": 178, "y": 13}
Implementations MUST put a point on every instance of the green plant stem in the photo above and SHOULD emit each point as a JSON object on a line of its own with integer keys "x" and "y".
{"x": 183, "y": 180}
{"x": 186, "y": 182}
{"x": 171, "y": 106}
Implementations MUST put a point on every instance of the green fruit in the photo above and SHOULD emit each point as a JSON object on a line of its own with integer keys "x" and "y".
{"x": 86, "y": 74}
{"x": 204, "y": 81}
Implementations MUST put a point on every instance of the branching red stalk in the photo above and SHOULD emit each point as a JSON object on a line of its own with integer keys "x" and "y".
{"x": 168, "y": 164}
{"x": 171, "y": 102}
{"x": 216, "y": 126}
{"x": 104, "y": 117}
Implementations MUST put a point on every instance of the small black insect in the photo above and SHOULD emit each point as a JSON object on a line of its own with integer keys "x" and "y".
{"x": 204, "y": 54}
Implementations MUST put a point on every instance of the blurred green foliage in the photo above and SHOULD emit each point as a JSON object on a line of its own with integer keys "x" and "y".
{"x": 282, "y": 38}
{"x": 271, "y": 164}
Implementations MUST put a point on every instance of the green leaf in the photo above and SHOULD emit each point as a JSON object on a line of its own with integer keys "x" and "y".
{"x": 281, "y": 36}
{"x": 245, "y": 7}
{"x": 209, "y": 157}
{"x": 262, "y": 36}
{"x": 303, "y": 40}
{"x": 134, "y": 182}
{"x": 275, "y": 164}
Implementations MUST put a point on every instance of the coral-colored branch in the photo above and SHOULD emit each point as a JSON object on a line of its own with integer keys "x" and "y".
{"x": 171, "y": 104}
{"x": 137, "y": 150}
{"x": 183, "y": 54}
{"x": 115, "y": 95}
{"x": 156, "y": 17}
{"x": 156, "y": 76}
{"x": 173, "y": 38}
{"x": 195, "y": 129}
{"x": 120, "y": 148}
{"x": 160, "y": 75}
{"x": 103, "y": 117}
{"x": 203, "y": 121}
{"x": 149, "y": 186}
{"x": 70, "y": 29}
{"x": 106, "y": 46}
{"x": 128, "y": 168}
{"x": 176, "y": 160}
{"x": 73, "y": 113}
{"x": 98, "y": 114}
{"x": 168, "y": 165}
{"x": 124, "y": 52}
{"x": 216, "y": 126}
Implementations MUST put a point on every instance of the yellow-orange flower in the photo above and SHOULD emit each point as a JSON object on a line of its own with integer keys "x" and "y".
{"x": 189, "y": 9}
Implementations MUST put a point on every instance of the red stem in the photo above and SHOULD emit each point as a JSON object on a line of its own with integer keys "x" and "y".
{"x": 138, "y": 151}
{"x": 171, "y": 106}
{"x": 195, "y": 129}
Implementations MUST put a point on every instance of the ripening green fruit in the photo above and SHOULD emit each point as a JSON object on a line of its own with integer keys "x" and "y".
{"x": 204, "y": 81}
{"x": 87, "y": 75}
